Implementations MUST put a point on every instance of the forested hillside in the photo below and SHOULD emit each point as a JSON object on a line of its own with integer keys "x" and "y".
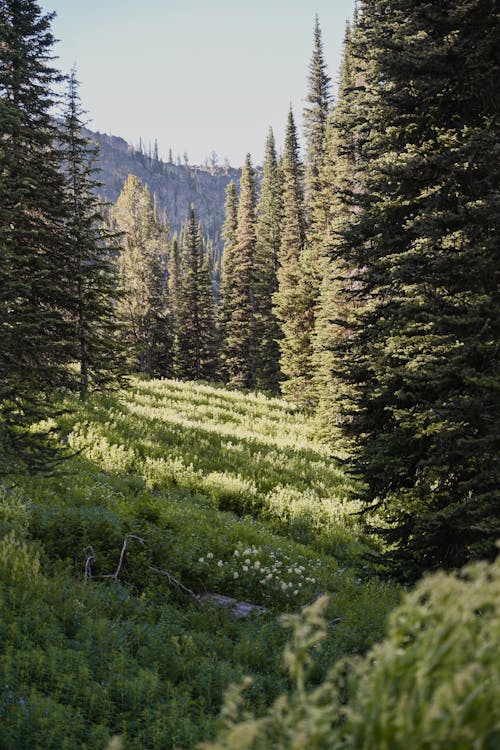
{"x": 176, "y": 185}
{"x": 232, "y": 401}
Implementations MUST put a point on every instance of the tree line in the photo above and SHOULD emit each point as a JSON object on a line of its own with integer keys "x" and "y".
{"x": 360, "y": 281}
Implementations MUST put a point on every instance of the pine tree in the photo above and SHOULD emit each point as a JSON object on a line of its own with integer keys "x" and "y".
{"x": 269, "y": 218}
{"x": 174, "y": 297}
{"x": 197, "y": 338}
{"x": 100, "y": 357}
{"x": 316, "y": 114}
{"x": 422, "y": 357}
{"x": 226, "y": 302}
{"x": 37, "y": 308}
{"x": 332, "y": 207}
{"x": 239, "y": 330}
{"x": 141, "y": 265}
{"x": 290, "y": 301}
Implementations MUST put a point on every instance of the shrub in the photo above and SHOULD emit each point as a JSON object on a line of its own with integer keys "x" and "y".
{"x": 432, "y": 684}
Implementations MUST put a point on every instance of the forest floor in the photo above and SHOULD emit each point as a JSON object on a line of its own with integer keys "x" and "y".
{"x": 175, "y": 491}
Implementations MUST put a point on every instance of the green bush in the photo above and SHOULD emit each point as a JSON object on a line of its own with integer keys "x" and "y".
{"x": 432, "y": 684}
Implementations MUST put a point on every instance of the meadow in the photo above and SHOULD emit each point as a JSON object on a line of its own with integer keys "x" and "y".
{"x": 174, "y": 490}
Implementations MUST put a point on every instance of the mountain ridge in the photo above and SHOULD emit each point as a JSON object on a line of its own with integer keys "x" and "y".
{"x": 175, "y": 187}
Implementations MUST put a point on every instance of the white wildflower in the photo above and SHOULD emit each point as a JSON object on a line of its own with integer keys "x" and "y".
{"x": 220, "y": 563}
{"x": 201, "y": 559}
{"x": 209, "y": 555}
{"x": 235, "y": 575}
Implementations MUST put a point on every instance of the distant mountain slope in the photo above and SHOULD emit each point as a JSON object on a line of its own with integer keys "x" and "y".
{"x": 176, "y": 186}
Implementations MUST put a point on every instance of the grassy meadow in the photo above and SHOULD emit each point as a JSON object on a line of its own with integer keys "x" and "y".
{"x": 173, "y": 489}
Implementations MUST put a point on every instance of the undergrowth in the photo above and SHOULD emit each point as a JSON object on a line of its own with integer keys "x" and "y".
{"x": 213, "y": 491}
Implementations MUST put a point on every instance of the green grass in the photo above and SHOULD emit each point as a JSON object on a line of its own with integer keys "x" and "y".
{"x": 228, "y": 492}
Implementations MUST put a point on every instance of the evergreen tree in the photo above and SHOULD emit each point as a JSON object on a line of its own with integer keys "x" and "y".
{"x": 290, "y": 301}
{"x": 174, "y": 286}
{"x": 197, "y": 339}
{"x": 141, "y": 265}
{"x": 422, "y": 248}
{"x": 316, "y": 113}
{"x": 229, "y": 236}
{"x": 100, "y": 358}
{"x": 332, "y": 207}
{"x": 37, "y": 307}
{"x": 269, "y": 217}
{"x": 316, "y": 116}
{"x": 239, "y": 344}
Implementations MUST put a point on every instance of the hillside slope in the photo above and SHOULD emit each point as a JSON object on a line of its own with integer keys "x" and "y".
{"x": 176, "y": 186}
{"x": 177, "y": 490}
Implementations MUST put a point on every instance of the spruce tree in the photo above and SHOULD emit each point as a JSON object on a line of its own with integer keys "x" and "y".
{"x": 239, "y": 346}
{"x": 290, "y": 301}
{"x": 316, "y": 112}
{"x": 268, "y": 233}
{"x": 37, "y": 307}
{"x": 316, "y": 117}
{"x": 197, "y": 339}
{"x": 332, "y": 207}
{"x": 226, "y": 303}
{"x": 174, "y": 298}
{"x": 100, "y": 356}
{"x": 422, "y": 250}
{"x": 141, "y": 265}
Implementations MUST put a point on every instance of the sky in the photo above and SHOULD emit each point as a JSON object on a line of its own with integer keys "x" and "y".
{"x": 200, "y": 76}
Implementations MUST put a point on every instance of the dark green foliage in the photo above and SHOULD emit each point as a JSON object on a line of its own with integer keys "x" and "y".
{"x": 141, "y": 265}
{"x": 226, "y": 303}
{"x": 239, "y": 344}
{"x": 37, "y": 306}
{"x": 268, "y": 233}
{"x": 100, "y": 355}
{"x": 174, "y": 298}
{"x": 291, "y": 301}
{"x": 422, "y": 248}
{"x": 196, "y": 355}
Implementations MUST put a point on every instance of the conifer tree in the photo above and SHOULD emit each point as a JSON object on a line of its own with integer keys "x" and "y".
{"x": 422, "y": 248}
{"x": 229, "y": 234}
{"x": 239, "y": 330}
{"x": 290, "y": 301}
{"x": 174, "y": 286}
{"x": 269, "y": 217}
{"x": 37, "y": 307}
{"x": 332, "y": 207}
{"x": 197, "y": 339}
{"x": 316, "y": 114}
{"x": 141, "y": 265}
{"x": 100, "y": 357}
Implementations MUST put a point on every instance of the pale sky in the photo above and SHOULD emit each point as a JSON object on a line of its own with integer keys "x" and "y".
{"x": 197, "y": 75}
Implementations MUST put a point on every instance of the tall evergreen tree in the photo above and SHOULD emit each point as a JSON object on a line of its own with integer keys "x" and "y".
{"x": 316, "y": 112}
{"x": 141, "y": 265}
{"x": 422, "y": 248}
{"x": 268, "y": 233}
{"x": 196, "y": 354}
{"x": 316, "y": 116}
{"x": 290, "y": 301}
{"x": 174, "y": 286}
{"x": 332, "y": 207}
{"x": 37, "y": 307}
{"x": 100, "y": 356}
{"x": 239, "y": 344}
{"x": 229, "y": 236}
